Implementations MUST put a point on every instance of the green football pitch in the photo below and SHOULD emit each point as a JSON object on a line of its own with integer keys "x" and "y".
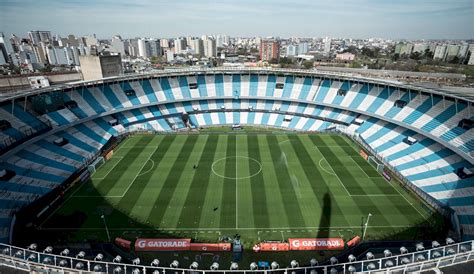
{"x": 263, "y": 186}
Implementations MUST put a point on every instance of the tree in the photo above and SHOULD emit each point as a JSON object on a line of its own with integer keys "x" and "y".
{"x": 308, "y": 64}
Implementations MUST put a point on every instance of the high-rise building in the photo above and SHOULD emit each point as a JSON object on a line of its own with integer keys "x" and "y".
{"x": 327, "y": 45}
{"x": 164, "y": 43}
{"x": 420, "y": 48}
{"x": 37, "y": 36}
{"x": 143, "y": 48}
{"x": 210, "y": 49}
{"x": 180, "y": 45}
{"x": 6, "y": 48}
{"x": 302, "y": 48}
{"x": 269, "y": 50}
{"x": 197, "y": 45}
{"x": 155, "y": 48}
{"x": 291, "y": 50}
{"x": 452, "y": 52}
{"x": 95, "y": 67}
{"x": 118, "y": 45}
{"x": 90, "y": 41}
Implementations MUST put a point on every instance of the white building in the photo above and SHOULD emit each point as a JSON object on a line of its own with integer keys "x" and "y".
{"x": 143, "y": 48}
{"x": 291, "y": 50}
{"x": 210, "y": 49}
{"x": 180, "y": 45}
{"x": 441, "y": 52}
{"x": 302, "y": 48}
{"x": 197, "y": 45}
{"x": 118, "y": 45}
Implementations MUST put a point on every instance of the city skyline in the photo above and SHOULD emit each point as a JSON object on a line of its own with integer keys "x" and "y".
{"x": 417, "y": 19}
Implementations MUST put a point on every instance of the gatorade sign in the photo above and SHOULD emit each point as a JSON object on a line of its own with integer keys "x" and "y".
{"x": 316, "y": 243}
{"x": 162, "y": 244}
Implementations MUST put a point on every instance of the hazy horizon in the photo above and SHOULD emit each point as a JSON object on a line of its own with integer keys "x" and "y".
{"x": 358, "y": 19}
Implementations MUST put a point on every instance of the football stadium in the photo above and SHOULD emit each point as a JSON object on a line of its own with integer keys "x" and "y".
{"x": 236, "y": 169}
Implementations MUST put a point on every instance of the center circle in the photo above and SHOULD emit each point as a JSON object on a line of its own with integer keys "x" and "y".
{"x": 222, "y": 162}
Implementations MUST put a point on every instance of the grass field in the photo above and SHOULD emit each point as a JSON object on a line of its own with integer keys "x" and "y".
{"x": 265, "y": 186}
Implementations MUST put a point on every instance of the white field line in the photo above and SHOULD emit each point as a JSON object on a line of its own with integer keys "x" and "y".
{"x": 152, "y": 166}
{"x": 229, "y": 229}
{"x": 370, "y": 177}
{"x": 407, "y": 201}
{"x": 348, "y": 193}
{"x": 139, "y": 172}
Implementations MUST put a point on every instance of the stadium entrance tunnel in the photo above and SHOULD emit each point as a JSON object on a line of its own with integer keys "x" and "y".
{"x": 236, "y": 167}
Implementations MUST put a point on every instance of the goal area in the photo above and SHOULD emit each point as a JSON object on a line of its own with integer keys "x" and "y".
{"x": 96, "y": 164}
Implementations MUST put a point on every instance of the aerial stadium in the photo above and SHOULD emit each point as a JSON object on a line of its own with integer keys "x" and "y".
{"x": 237, "y": 169}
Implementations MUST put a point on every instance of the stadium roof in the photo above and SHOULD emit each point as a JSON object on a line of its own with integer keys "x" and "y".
{"x": 460, "y": 93}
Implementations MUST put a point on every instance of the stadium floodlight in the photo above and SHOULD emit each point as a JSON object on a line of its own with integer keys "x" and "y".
{"x": 117, "y": 259}
{"x": 80, "y": 265}
{"x": 253, "y": 266}
{"x": 118, "y": 269}
{"x": 420, "y": 247}
{"x": 294, "y": 263}
{"x": 97, "y": 268}
{"x": 194, "y": 266}
{"x": 366, "y": 225}
{"x": 333, "y": 271}
{"x": 371, "y": 266}
{"x": 19, "y": 253}
{"x": 80, "y": 255}
{"x": 6, "y": 251}
{"x": 351, "y": 258}
{"x": 405, "y": 260}
{"x": 436, "y": 254}
{"x": 403, "y": 250}
{"x": 369, "y": 255}
{"x": 420, "y": 257}
{"x": 333, "y": 260}
{"x": 136, "y": 261}
{"x": 47, "y": 260}
{"x": 32, "y": 246}
{"x": 99, "y": 257}
{"x": 63, "y": 262}
{"x": 65, "y": 252}
{"x": 48, "y": 249}
{"x": 174, "y": 264}
{"x": 351, "y": 269}
{"x": 155, "y": 262}
{"x": 449, "y": 241}
{"x": 450, "y": 251}
{"x": 32, "y": 257}
{"x": 435, "y": 244}
{"x": 136, "y": 271}
{"x": 387, "y": 253}
{"x": 106, "y": 228}
{"x": 313, "y": 262}
{"x": 389, "y": 263}
{"x": 215, "y": 266}
{"x": 274, "y": 265}
{"x": 234, "y": 266}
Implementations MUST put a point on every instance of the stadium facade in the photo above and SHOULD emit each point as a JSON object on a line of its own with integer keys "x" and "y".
{"x": 425, "y": 136}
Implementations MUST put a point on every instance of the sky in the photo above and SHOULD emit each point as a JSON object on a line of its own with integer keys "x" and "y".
{"x": 392, "y": 19}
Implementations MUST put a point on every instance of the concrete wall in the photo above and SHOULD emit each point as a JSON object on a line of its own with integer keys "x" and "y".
{"x": 15, "y": 83}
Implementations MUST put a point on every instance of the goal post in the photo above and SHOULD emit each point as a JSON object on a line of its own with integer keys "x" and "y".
{"x": 94, "y": 165}
{"x": 376, "y": 164}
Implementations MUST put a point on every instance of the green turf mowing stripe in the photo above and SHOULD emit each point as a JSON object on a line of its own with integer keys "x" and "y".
{"x": 144, "y": 183}
{"x": 196, "y": 197}
{"x": 364, "y": 203}
{"x": 318, "y": 186}
{"x": 228, "y": 201}
{"x": 287, "y": 192}
{"x": 169, "y": 186}
{"x": 351, "y": 150}
{"x": 123, "y": 171}
{"x": 259, "y": 195}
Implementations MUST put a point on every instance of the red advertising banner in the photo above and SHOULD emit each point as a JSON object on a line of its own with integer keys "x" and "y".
{"x": 316, "y": 244}
{"x": 123, "y": 243}
{"x": 210, "y": 247}
{"x": 264, "y": 247}
{"x": 162, "y": 244}
{"x": 354, "y": 241}
{"x": 364, "y": 155}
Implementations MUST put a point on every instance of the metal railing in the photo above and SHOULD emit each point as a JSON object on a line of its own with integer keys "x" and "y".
{"x": 26, "y": 259}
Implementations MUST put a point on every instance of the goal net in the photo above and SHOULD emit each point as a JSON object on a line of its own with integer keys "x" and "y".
{"x": 94, "y": 165}
{"x": 376, "y": 164}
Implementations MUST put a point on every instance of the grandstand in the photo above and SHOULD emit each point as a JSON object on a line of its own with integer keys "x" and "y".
{"x": 423, "y": 137}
